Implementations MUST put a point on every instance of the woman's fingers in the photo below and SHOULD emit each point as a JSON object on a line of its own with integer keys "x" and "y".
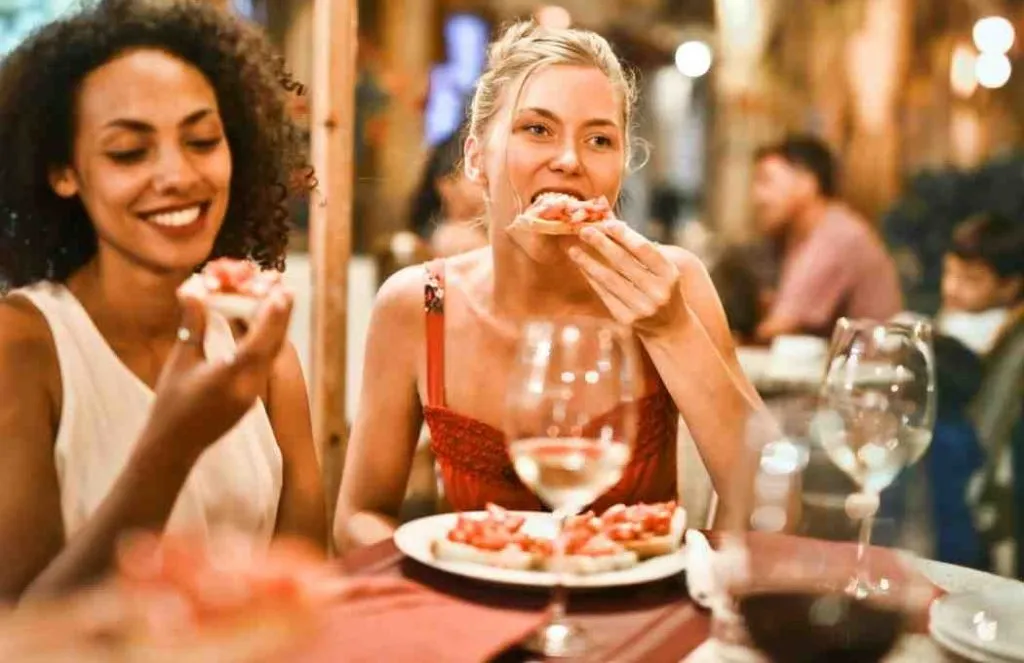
{"x": 642, "y": 249}
{"x": 192, "y": 329}
{"x": 268, "y": 332}
{"x": 617, "y": 256}
{"x": 632, "y": 296}
{"x": 623, "y": 300}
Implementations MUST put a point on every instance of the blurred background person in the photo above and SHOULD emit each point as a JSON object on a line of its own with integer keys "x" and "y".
{"x": 832, "y": 264}
{"x": 983, "y": 281}
{"x": 955, "y": 456}
{"x": 448, "y": 208}
{"x": 665, "y": 206}
{"x": 983, "y": 307}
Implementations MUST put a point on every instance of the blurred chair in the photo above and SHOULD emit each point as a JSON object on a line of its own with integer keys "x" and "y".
{"x": 997, "y": 412}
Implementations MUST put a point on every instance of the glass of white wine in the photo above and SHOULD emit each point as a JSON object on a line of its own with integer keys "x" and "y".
{"x": 570, "y": 426}
{"x": 877, "y": 410}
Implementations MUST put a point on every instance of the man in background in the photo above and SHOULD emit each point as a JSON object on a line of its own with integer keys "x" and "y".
{"x": 832, "y": 263}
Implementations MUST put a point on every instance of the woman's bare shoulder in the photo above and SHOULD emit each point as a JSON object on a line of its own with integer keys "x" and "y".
{"x": 470, "y": 262}
{"x": 401, "y": 294}
{"x": 23, "y": 328}
{"x": 27, "y": 352}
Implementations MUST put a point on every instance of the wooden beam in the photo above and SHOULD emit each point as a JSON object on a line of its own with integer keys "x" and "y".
{"x": 741, "y": 118}
{"x": 332, "y": 124}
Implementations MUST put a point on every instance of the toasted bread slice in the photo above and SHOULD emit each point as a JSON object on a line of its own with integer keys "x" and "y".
{"x": 546, "y": 226}
{"x": 654, "y": 546}
{"x": 233, "y": 306}
{"x": 592, "y": 564}
{"x": 510, "y": 557}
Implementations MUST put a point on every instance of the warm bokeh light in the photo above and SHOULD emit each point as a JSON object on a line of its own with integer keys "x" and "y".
{"x": 993, "y": 70}
{"x": 993, "y": 34}
{"x": 553, "y": 16}
{"x": 962, "y": 78}
{"x": 693, "y": 58}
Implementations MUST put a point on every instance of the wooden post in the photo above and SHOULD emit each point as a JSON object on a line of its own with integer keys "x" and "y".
{"x": 876, "y": 63}
{"x": 742, "y": 119}
{"x": 333, "y": 115}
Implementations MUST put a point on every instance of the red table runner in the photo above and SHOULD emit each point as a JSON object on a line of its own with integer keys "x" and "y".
{"x": 653, "y": 622}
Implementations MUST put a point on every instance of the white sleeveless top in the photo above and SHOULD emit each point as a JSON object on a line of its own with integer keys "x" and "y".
{"x": 236, "y": 483}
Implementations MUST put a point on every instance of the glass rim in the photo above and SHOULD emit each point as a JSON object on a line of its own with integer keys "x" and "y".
{"x": 575, "y": 320}
{"x": 864, "y": 324}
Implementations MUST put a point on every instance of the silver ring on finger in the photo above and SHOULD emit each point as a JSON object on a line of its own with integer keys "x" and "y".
{"x": 188, "y": 337}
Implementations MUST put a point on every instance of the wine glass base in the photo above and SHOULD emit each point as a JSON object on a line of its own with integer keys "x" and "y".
{"x": 558, "y": 639}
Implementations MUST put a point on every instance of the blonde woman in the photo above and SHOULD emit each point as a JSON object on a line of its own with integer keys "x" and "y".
{"x": 552, "y": 112}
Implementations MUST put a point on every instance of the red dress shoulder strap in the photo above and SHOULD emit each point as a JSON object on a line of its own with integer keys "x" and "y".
{"x": 433, "y": 305}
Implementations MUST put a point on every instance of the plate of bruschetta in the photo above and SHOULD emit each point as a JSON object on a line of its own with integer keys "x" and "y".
{"x": 624, "y": 545}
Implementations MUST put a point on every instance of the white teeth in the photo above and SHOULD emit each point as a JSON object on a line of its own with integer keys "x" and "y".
{"x": 181, "y": 217}
{"x": 555, "y": 195}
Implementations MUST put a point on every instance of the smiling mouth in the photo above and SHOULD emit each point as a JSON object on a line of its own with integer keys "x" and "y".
{"x": 176, "y": 218}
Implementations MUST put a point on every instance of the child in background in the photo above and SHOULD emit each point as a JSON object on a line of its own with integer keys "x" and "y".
{"x": 983, "y": 281}
{"x": 983, "y": 307}
{"x": 955, "y": 455}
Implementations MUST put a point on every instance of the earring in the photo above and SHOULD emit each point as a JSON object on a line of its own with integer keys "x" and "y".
{"x": 65, "y": 187}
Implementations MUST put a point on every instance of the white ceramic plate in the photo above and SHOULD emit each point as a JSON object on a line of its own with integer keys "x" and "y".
{"x": 954, "y": 579}
{"x": 965, "y": 652}
{"x": 985, "y": 624}
{"x": 414, "y": 539}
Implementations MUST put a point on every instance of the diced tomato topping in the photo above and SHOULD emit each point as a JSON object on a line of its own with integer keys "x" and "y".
{"x": 598, "y": 546}
{"x": 569, "y": 210}
{"x": 624, "y": 523}
{"x": 230, "y": 276}
{"x": 584, "y": 534}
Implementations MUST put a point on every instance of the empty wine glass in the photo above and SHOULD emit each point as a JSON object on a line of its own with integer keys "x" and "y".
{"x": 878, "y": 410}
{"x": 570, "y": 426}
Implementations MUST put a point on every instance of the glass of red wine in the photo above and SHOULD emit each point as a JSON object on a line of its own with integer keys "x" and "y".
{"x": 570, "y": 424}
{"x": 790, "y": 545}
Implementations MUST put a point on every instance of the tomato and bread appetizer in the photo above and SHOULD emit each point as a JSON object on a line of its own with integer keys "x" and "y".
{"x": 233, "y": 288}
{"x": 618, "y": 539}
{"x": 492, "y": 539}
{"x": 555, "y": 213}
{"x": 649, "y": 530}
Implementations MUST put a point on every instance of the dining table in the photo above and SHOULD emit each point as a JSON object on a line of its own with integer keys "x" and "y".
{"x": 775, "y": 375}
{"x": 652, "y": 623}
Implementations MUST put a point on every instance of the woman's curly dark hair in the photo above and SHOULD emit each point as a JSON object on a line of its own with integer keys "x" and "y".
{"x": 48, "y": 237}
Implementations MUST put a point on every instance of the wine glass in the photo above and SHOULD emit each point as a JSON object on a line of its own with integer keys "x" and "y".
{"x": 878, "y": 410}
{"x": 789, "y": 544}
{"x": 570, "y": 426}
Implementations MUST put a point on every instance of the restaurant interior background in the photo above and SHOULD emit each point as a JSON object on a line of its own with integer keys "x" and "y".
{"x": 927, "y": 127}
{"x": 926, "y": 119}
{"x": 924, "y": 109}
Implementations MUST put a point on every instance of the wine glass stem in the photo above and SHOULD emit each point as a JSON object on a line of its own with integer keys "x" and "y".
{"x": 863, "y": 578}
{"x": 560, "y": 593}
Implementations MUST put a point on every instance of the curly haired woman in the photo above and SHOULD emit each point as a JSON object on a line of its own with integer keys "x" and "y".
{"x": 143, "y": 139}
